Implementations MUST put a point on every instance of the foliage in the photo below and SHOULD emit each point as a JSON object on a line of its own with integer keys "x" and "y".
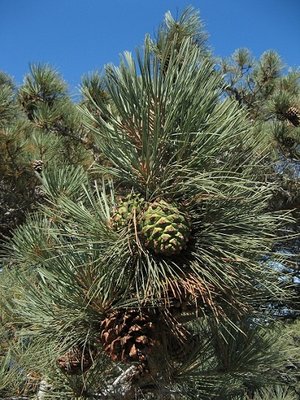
{"x": 76, "y": 281}
{"x": 271, "y": 94}
{"x": 38, "y": 122}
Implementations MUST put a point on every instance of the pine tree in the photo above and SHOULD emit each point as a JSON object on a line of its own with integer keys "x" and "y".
{"x": 154, "y": 282}
{"x": 45, "y": 101}
{"x": 17, "y": 180}
{"x": 39, "y": 128}
{"x": 271, "y": 94}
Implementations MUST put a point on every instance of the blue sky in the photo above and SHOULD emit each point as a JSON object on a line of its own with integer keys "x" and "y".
{"x": 79, "y": 36}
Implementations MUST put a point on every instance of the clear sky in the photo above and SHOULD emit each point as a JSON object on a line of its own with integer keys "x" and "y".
{"x": 80, "y": 36}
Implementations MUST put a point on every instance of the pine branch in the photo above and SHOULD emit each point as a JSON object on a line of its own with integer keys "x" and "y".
{"x": 15, "y": 398}
{"x": 121, "y": 388}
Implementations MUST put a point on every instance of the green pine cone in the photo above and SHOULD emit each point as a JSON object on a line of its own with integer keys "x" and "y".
{"x": 165, "y": 229}
{"x": 126, "y": 210}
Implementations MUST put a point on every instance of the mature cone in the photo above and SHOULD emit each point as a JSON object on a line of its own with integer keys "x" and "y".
{"x": 128, "y": 336}
{"x": 126, "y": 211}
{"x": 293, "y": 115}
{"x": 164, "y": 228}
{"x": 75, "y": 361}
{"x": 37, "y": 165}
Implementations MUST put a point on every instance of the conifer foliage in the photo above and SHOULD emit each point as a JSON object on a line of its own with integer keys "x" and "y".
{"x": 155, "y": 280}
{"x": 39, "y": 127}
{"x": 271, "y": 93}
